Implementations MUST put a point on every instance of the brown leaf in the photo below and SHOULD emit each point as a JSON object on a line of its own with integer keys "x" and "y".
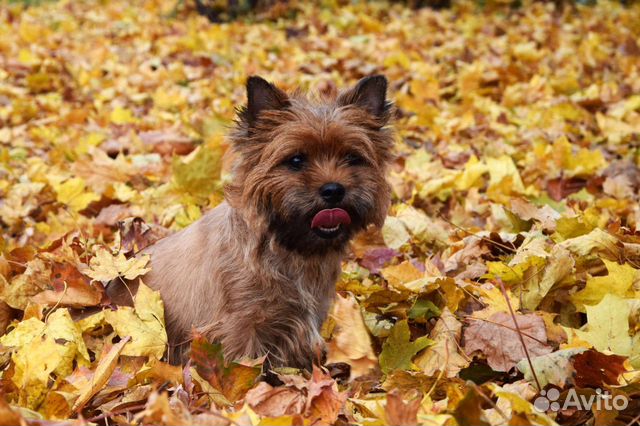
{"x": 8, "y": 416}
{"x": 469, "y": 410}
{"x": 350, "y": 342}
{"x": 135, "y": 234}
{"x": 399, "y": 412}
{"x": 70, "y": 288}
{"x": 232, "y": 379}
{"x": 595, "y": 369}
{"x": 498, "y": 340}
{"x": 561, "y": 188}
{"x": 104, "y": 369}
{"x": 167, "y": 142}
{"x": 268, "y": 401}
{"x": 324, "y": 402}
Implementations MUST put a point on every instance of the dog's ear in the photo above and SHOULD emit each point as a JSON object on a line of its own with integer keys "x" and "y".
{"x": 370, "y": 94}
{"x": 262, "y": 96}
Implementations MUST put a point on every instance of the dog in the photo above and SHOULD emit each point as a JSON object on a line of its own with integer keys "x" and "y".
{"x": 257, "y": 273}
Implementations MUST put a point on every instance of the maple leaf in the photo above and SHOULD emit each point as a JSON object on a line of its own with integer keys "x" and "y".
{"x": 350, "y": 342}
{"x": 618, "y": 281}
{"x": 595, "y": 369}
{"x": 232, "y": 379}
{"x": 498, "y": 340}
{"x": 73, "y": 193}
{"x": 144, "y": 323}
{"x": 608, "y": 325}
{"x": 106, "y": 366}
{"x": 200, "y": 175}
{"x": 70, "y": 289}
{"x": 106, "y": 267}
{"x": 42, "y": 349}
{"x": 443, "y": 355}
{"x": 398, "y": 350}
{"x": 555, "y": 368}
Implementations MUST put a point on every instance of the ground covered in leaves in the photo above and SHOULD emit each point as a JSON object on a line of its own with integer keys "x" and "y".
{"x": 515, "y": 199}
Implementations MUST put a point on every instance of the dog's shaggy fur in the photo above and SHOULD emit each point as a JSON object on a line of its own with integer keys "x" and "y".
{"x": 253, "y": 273}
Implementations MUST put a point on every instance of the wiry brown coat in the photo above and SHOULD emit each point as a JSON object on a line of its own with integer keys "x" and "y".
{"x": 251, "y": 274}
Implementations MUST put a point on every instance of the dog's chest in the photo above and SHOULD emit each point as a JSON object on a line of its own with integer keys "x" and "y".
{"x": 302, "y": 290}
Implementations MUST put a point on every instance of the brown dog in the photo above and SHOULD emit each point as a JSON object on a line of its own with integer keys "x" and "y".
{"x": 257, "y": 273}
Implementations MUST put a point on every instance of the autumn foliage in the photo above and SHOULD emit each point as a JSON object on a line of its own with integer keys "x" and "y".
{"x": 508, "y": 265}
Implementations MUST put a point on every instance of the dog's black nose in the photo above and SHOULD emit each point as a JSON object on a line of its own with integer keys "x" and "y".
{"x": 332, "y": 192}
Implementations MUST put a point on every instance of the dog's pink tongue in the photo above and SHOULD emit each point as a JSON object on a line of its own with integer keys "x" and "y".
{"x": 330, "y": 218}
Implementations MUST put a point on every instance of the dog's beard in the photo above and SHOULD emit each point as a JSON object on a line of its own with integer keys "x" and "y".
{"x": 295, "y": 233}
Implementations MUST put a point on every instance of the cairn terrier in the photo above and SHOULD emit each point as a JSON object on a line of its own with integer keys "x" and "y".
{"x": 258, "y": 272}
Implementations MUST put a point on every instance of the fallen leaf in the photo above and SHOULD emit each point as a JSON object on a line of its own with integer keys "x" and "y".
{"x": 106, "y": 365}
{"x": 351, "y": 342}
{"x": 398, "y": 350}
{"x": 398, "y": 412}
{"x": 70, "y": 288}
{"x": 232, "y": 379}
{"x": 618, "y": 281}
{"x": 498, "y": 340}
{"x": 144, "y": 323}
{"x": 594, "y": 369}
{"x": 555, "y": 368}
{"x": 444, "y": 354}
{"x": 608, "y": 325}
{"x": 73, "y": 193}
{"x": 106, "y": 267}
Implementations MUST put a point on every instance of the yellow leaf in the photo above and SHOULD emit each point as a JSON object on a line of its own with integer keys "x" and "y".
{"x": 106, "y": 267}
{"x": 421, "y": 226}
{"x": 472, "y": 174}
{"x": 608, "y": 325}
{"x": 42, "y": 350}
{"x": 502, "y": 168}
{"x": 106, "y": 366}
{"x": 35, "y": 279}
{"x": 394, "y": 233}
{"x": 399, "y": 275}
{"x": 618, "y": 281}
{"x": 88, "y": 142}
{"x": 351, "y": 342}
{"x": 144, "y": 323}
{"x": 199, "y": 175}
{"x": 122, "y": 116}
{"x": 559, "y": 265}
{"x": 27, "y": 57}
{"x": 73, "y": 193}
{"x": 595, "y": 241}
{"x": 123, "y": 192}
{"x": 443, "y": 355}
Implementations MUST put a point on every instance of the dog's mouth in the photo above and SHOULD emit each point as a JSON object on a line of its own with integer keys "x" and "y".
{"x": 328, "y": 223}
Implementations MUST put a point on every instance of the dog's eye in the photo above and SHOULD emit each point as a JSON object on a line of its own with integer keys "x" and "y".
{"x": 354, "y": 160}
{"x": 296, "y": 162}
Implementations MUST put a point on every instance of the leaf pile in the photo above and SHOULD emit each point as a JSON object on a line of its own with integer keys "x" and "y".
{"x": 508, "y": 265}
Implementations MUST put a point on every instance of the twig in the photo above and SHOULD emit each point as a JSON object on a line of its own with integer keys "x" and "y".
{"x": 486, "y": 398}
{"x": 634, "y": 420}
{"x": 472, "y": 234}
{"x": 115, "y": 412}
{"x": 507, "y": 327}
{"x": 524, "y": 346}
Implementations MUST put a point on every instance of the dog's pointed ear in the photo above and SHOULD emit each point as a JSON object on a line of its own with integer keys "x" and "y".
{"x": 263, "y": 96}
{"x": 370, "y": 94}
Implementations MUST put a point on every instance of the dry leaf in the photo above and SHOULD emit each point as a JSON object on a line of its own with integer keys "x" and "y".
{"x": 497, "y": 339}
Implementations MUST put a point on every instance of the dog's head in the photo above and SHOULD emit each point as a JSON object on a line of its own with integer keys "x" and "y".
{"x": 314, "y": 171}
